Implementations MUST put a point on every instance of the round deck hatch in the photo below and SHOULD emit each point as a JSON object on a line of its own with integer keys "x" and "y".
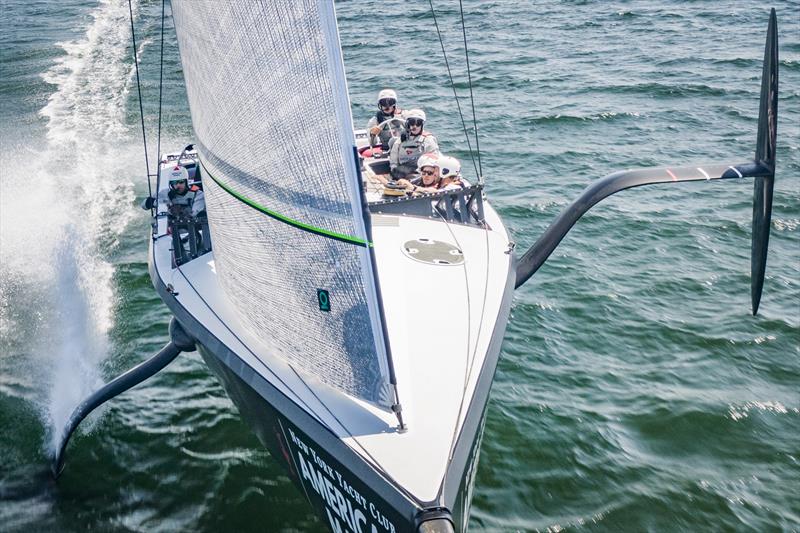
{"x": 433, "y": 252}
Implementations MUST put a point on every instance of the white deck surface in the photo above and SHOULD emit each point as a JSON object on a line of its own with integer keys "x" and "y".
{"x": 440, "y": 320}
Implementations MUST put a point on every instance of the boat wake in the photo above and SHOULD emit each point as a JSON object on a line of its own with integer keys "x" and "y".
{"x": 64, "y": 205}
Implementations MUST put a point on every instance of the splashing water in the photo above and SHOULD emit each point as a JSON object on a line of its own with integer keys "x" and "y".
{"x": 82, "y": 332}
{"x": 63, "y": 208}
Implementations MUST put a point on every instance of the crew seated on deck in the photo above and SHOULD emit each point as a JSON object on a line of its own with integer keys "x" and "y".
{"x": 187, "y": 217}
{"x": 406, "y": 151}
{"x": 436, "y": 173}
{"x": 184, "y": 201}
{"x": 387, "y": 108}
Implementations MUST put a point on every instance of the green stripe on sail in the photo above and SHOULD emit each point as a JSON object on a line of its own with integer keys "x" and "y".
{"x": 296, "y": 223}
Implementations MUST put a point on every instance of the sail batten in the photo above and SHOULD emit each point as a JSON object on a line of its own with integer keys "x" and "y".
{"x": 269, "y": 105}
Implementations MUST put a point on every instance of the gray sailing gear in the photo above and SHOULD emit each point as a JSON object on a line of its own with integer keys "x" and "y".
{"x": 191, "y": 203}
{"x": 404, "y": 154}
{"x": 199, "y": 204}
{"x": 386, "y": 134}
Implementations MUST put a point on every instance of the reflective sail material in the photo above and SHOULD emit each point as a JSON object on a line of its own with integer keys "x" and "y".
{"x": 270, "y": 110}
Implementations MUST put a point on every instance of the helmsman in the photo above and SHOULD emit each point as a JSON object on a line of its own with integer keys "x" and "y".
{"x": 387, "y": 109}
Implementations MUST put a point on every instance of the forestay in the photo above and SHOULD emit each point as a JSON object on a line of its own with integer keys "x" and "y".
{"x": 270, "y": 110}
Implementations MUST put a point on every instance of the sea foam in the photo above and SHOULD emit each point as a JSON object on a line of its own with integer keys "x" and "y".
{"x": 64, "y": 205}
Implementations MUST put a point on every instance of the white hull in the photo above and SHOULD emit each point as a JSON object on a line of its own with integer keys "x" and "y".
{"x": 445, "y": 325}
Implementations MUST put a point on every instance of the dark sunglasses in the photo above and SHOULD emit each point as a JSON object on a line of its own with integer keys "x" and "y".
{"x": 414, "y": 122}
{"x": 428, "y": 172}
{"x": 387, "y": 102}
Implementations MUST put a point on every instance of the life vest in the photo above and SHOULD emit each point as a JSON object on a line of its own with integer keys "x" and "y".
{"x": 380, "y": 116}
{"x": 181, "y": 204}
{"x": 452, "y": 186}
{"x": 412, "y": 148}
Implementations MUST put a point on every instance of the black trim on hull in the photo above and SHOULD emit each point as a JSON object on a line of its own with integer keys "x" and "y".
{"x": 341, "y": 500}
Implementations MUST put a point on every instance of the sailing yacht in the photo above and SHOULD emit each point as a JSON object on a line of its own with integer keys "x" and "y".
{"x": 357, "y": 331}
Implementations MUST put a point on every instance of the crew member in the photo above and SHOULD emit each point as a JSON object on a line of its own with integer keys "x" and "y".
{"x": 450, "y": 172}
{"x": 182, "y": 200}
{"x": 405, "y": 152}
{"x": 436, "y": 173}
{"x": 387, "y": 108}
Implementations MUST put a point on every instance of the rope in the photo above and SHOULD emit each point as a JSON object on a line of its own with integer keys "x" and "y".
{"x": 480, "y": 180}
{"x": 455, "y": 93}
{"x": 160, "y": 82}
{"x": 479, "y": 172}
{"x": 141, "y": 108}
{"x": 471, "y": 96}
{"x": 470, "y": 357}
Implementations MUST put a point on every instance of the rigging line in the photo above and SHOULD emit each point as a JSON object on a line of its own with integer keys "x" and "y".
{"x": 485, "y": 293}
{"x": 141, "y": 108}
{"x": 160, "y": 87}
{"x": 485, "y": 287}
{"x": 469, "y": 306}
{"x": 470, "y": 359}
{"x": 467, "y": 359}
{"x": 455, "y": 93}
{"x": 471, "y": 96}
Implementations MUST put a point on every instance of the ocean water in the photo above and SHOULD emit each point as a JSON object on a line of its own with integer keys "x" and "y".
{"x": 635, "y": 391}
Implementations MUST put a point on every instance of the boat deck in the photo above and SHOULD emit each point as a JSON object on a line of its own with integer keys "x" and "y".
{"x": 440, "y": 316}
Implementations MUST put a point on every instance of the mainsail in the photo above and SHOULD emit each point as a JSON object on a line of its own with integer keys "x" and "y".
{"x": 271, "y": 115}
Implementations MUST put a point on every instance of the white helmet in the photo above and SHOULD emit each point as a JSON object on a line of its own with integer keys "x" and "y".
{"x": 431, "y": 159}
{"x": 449, "y": 167}
{"x": 415, "y": 113}
{"x": 177, "y": 174}
{"x": 387, "y": 94}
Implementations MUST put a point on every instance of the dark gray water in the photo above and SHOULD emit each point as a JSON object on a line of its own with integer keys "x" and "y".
{"x": 635, "y": 390}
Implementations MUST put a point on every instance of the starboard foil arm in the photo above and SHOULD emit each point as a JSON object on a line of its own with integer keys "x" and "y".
{"x": 762, "y": 168}
{"x": 179, "y": 342}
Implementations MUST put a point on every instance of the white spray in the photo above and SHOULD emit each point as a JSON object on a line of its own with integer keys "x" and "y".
{"x": 63, "y": 208}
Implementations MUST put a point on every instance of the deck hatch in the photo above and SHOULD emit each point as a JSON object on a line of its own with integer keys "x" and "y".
{"x": 433, "y": 252}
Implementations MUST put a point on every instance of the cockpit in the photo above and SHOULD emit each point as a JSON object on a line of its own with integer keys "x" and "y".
{"x": 182, "y": 200}
{"x": 385, "y": 196}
